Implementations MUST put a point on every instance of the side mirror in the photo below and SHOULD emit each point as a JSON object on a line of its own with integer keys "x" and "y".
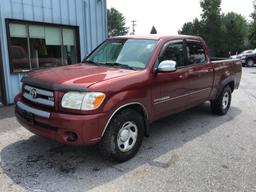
{"x": 167, "y": 66}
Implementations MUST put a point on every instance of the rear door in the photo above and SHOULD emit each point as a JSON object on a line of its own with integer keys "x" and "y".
{"x": 200, "y": 72}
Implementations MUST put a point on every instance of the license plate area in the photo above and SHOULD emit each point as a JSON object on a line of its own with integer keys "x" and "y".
{"x": 28, "y": 116}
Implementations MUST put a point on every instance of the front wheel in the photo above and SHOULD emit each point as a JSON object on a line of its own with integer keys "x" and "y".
{"x": 221, "y": 105}
{"x": 123, "y": 136}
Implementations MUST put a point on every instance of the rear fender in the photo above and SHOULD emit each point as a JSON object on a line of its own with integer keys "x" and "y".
{"x": 224, "y": 83}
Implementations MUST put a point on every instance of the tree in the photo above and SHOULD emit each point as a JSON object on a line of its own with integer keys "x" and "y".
{"x": 222, "y": 33}
{"x": 153, "y": 30}
{"x": 198, "y": 27}
{"x": 252, "y": 30}
{"x": 116, "y": 23}
{"x": 234, "y": 29}
{"x": 211, "y": 20}
{"x": 192, "y": 28}
{"x": 187, "y": 29}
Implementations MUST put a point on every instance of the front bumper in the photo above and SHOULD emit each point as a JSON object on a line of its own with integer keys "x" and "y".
{"x": 57, "y": 126}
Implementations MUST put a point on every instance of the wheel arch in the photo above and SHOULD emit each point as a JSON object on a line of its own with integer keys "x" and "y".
{"x": 229, "y": 81}
{"x": 231, "y": 85}
{"x": 139, "y": 107}
{"x": 249, "y": 58}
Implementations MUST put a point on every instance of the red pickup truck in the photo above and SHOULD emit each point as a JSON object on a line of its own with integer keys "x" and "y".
{"x": 126, "y": 83}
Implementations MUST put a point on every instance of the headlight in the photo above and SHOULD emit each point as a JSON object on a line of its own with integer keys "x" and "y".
{"x": 82, "y": 101}
{"x": 243, "y": 57}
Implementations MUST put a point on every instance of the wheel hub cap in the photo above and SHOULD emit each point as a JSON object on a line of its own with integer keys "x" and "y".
{"x": 127, "y": 136}
{"x": 225, "y": 100}
{"x": 124, "y": 135}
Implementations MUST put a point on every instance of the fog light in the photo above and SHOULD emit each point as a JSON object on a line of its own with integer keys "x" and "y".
{"x": 72, "y": 137}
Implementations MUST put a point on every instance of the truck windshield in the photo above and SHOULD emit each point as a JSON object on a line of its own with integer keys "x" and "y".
{"x": 129, "y": 53}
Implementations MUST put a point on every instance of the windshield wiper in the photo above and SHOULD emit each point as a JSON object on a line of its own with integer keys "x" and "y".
{"x": 91, "y": 62}
{"x": 121, "y": 65}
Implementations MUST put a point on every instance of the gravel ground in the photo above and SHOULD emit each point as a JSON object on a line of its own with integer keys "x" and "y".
{"x": 191, "y": 151}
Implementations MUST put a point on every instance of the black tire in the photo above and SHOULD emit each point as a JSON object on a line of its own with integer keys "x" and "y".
{"x": 217, "y": 106}
{"x": 249, "y": 63}
{"x": 109, "y": 146}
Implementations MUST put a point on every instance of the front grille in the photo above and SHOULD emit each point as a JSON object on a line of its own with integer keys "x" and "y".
{"x": 38, "y": 96}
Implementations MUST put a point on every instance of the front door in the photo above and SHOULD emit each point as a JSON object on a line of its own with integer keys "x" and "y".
{"x": 169, "y": 89}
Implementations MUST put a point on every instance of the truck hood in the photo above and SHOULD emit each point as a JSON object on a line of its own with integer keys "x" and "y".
{"x": 78, "y": 75}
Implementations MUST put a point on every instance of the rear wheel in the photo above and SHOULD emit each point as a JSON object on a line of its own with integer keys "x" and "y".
{"x": 250, "y": 63}
{"x": 221, "y": 105}
{"x": 123, "y": 136}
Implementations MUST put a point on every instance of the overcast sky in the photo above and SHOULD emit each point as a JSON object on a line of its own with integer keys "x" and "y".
{"x": 168, "y": 16}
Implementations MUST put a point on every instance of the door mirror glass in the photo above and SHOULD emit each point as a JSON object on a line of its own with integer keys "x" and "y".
{"x": 167, "y": 66}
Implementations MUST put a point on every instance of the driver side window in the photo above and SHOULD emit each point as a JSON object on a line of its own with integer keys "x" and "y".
{"x": 174, "y": 51}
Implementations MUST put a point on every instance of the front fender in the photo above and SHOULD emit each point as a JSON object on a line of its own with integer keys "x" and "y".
{"x": 125, "y": 99}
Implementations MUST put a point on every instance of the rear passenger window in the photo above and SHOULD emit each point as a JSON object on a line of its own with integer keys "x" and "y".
{"x": 175, "y": 52}
{"x": 195, "y": 53}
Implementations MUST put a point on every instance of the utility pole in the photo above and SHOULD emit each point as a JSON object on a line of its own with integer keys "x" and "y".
{"x": 133, "y": 27}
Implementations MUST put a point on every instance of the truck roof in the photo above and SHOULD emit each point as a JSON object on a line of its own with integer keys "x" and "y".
{"x": 157, "y": 37}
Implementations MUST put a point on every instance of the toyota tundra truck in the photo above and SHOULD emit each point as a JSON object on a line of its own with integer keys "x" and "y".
{"x": 119, "y": 89}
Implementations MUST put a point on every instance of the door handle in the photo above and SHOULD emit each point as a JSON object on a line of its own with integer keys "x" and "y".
{"x": 209, "y": 69}
{"x": 182, "y": 77}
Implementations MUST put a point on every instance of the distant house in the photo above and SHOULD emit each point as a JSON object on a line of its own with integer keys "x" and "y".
{"x": 37, "y": 34}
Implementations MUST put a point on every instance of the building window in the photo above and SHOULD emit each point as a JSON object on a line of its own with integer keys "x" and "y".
{"x": 37, "y": 46}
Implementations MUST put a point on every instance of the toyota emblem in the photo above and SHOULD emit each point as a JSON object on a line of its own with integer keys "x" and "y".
{"x": 33, "y": 93}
